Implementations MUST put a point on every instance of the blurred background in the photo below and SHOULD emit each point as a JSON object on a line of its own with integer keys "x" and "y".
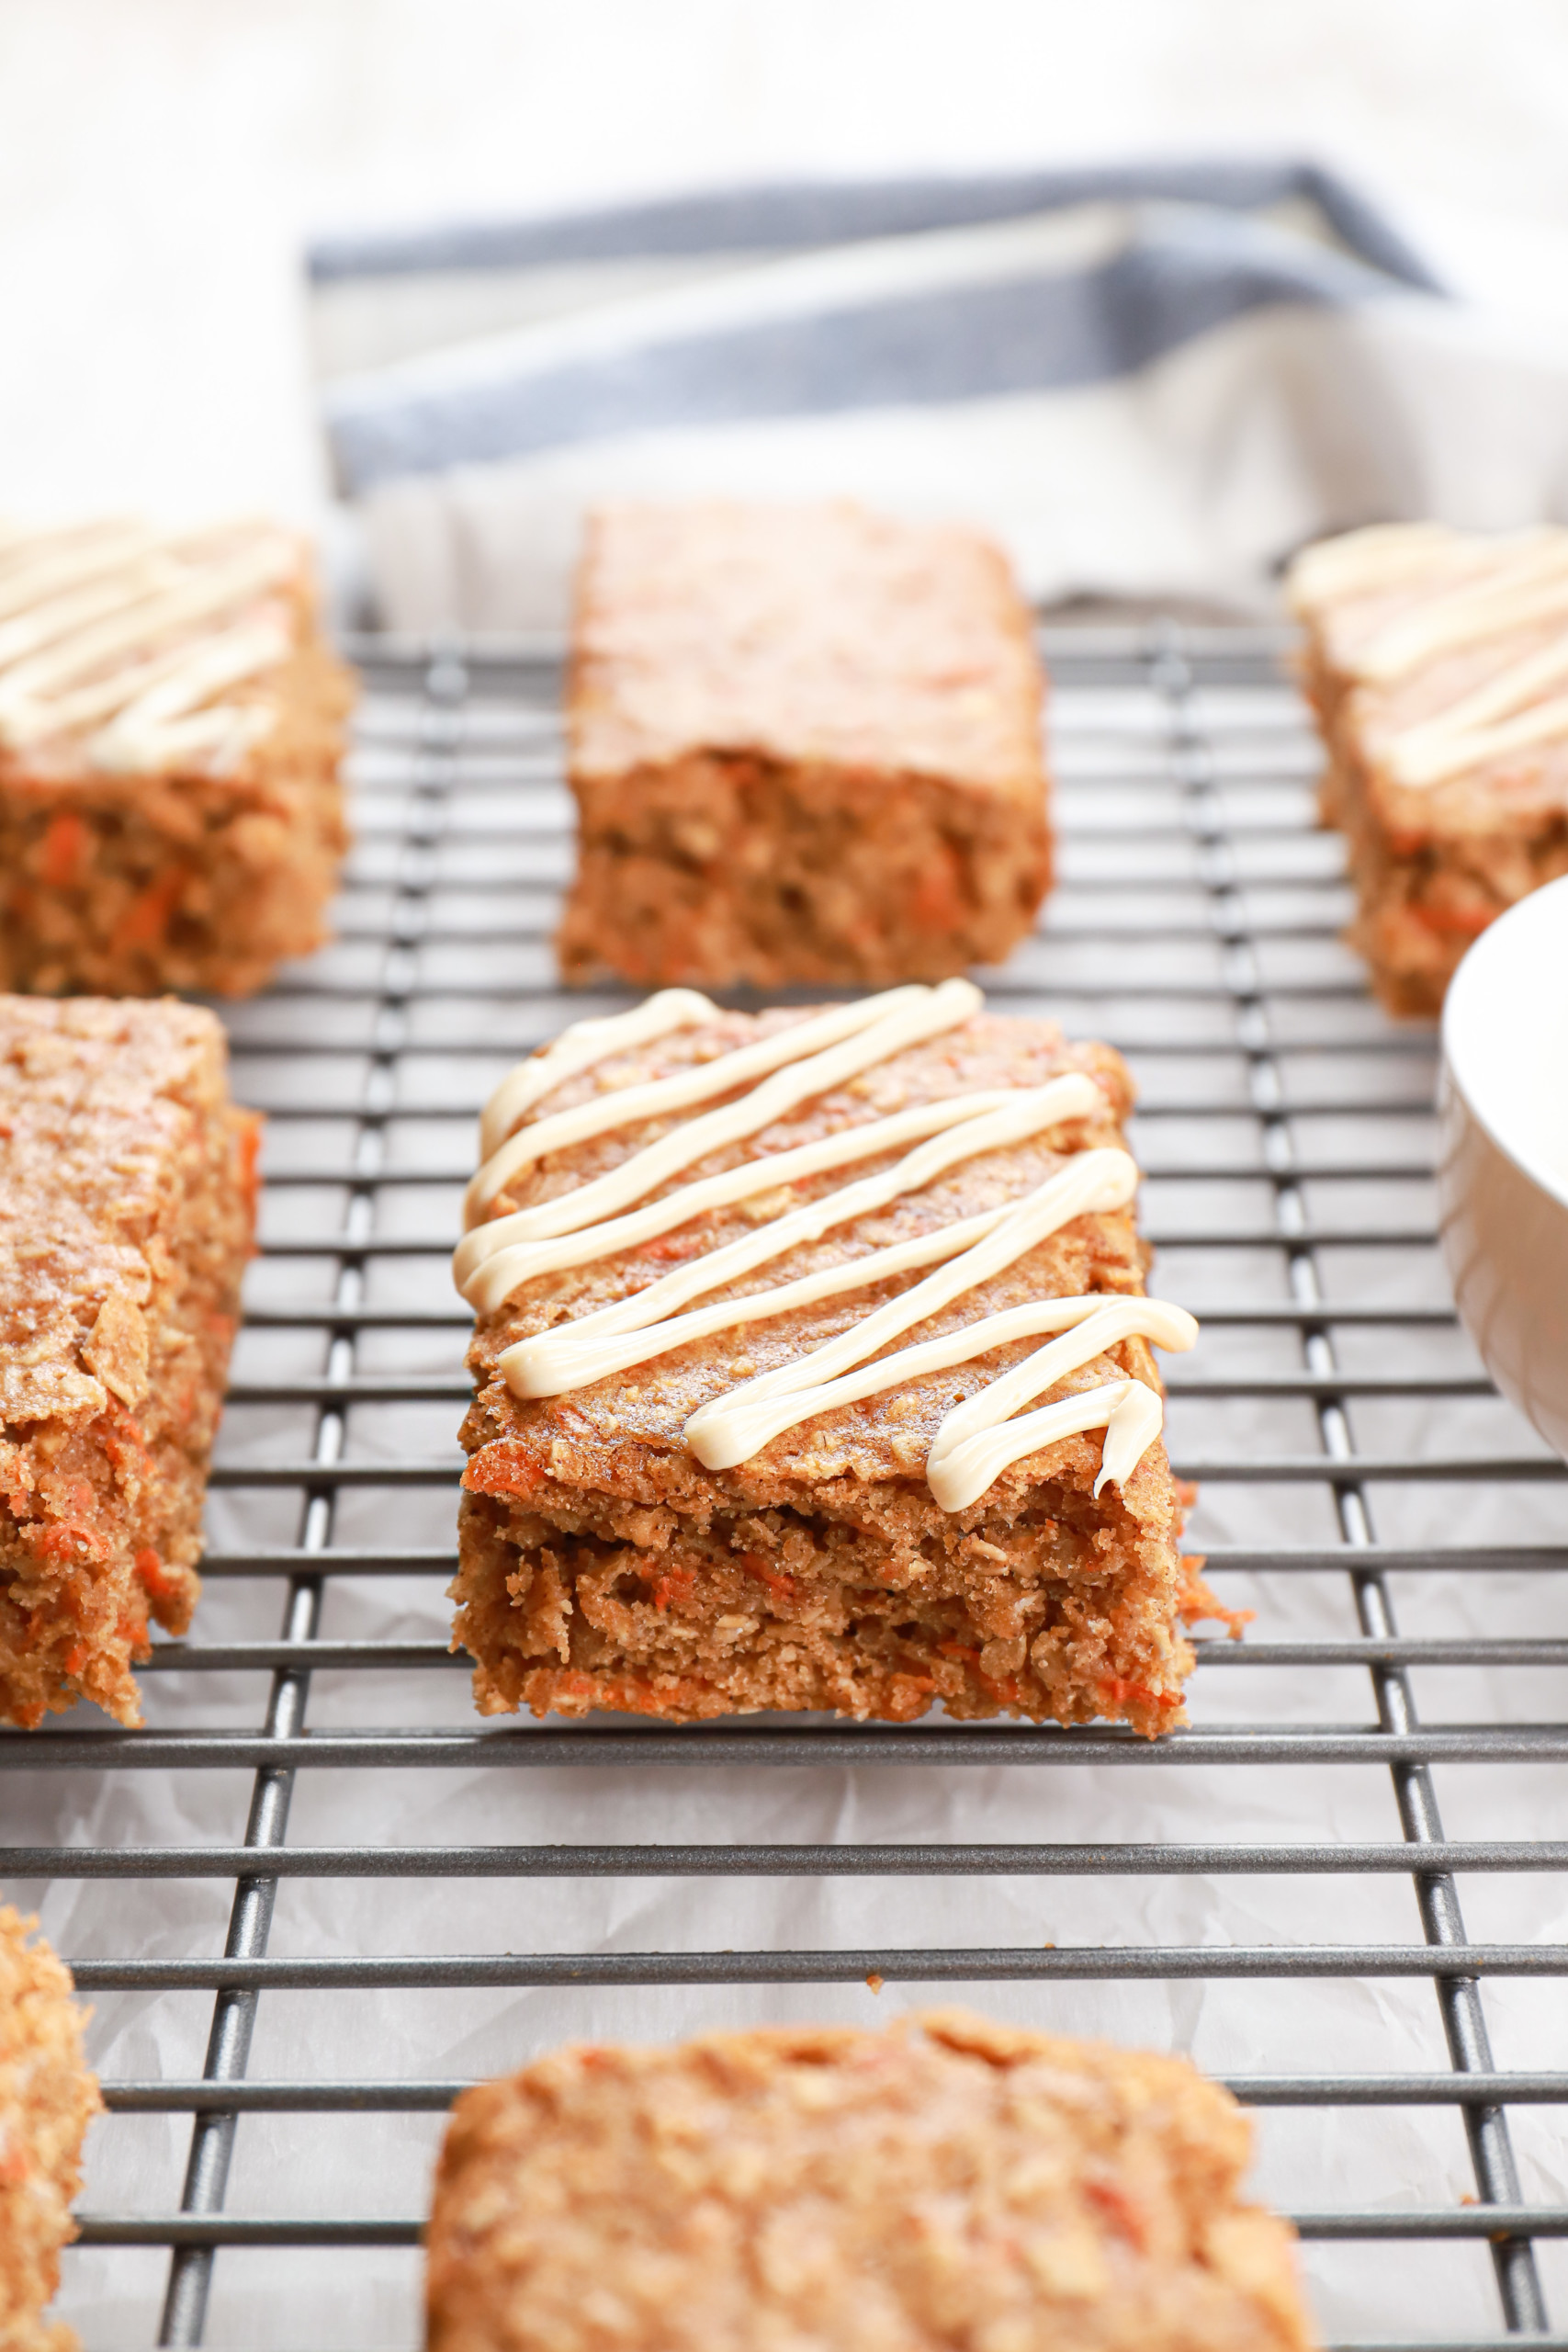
{"x": 165, "y": 163}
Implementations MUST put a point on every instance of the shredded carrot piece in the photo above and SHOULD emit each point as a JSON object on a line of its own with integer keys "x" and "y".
{"x": 1467, "y": 921}
{"x": 1119, "y": 1692}
{"x": 150, "y": 1572}
{"x": 1198, "y": 1602}
{"x": 147, "y": 916}
{"x": 64, "y": 840}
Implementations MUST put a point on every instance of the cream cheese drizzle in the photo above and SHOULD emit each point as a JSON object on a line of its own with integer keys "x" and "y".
{"x": 733, "y": 1428}
{"x": 1459, "y": 739}
{"x": 750, "y": 1415}
{"x": 1385, "y": 555}
{"x": 980, "y": 1438}
{"x": 1530, "y": 584}
{"x": 84, "y": 620}
{"x": 978, "y": 1123}
{"x": 1477, "y": 589}
{"x": 853, "y": 1038}
{"x": 167, "y": 711}
{"x": 43, "y": 566}
{"x": 487, "y": 1277}
{"x": 578, "y": 1047}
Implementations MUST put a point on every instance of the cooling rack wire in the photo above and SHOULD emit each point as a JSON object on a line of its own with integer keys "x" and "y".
{"x": 1275, "y": 1889}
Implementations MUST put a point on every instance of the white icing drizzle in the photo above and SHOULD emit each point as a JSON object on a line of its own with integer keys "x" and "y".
{"x": 558, "y": 1362}
{"x": 86, "y": 618}
{"x": 167, "y": 711}
{"x": 1471, "y": 590}
{"x": 1528, "y": 585}
{"x": 578, "y": 1049}
{"x": 976, "y": 1124}
{"x": 42, "y": 566}
{"x": 1488, "y": 724}
{"x": 488, "y": 1272}
{"x": 1452, "y": 756}
{"x": 854, "y": 1038}
{"x": 1385, "y": 555}
{"x": 976, "y": 1441}
{"x": 980, "y": 1438}
{"x": 736, "y": 1426}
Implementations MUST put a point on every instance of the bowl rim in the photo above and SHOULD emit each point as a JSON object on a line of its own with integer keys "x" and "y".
{"x": 1478, "y": 959}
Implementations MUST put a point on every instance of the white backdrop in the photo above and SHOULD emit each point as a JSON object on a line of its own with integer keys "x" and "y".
{"x": 161, "y": 161}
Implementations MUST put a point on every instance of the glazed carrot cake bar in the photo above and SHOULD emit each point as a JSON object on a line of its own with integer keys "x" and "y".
{"x": 171, "y": 726}
{"x": 806, "y": 745}
{"x": 763, "y": 1418}
{"x": 951, "y": 2183}
{"x": 127, "y": 1201}
{"x": 46, "y": 2101}
{"x": 1438, "y": 661}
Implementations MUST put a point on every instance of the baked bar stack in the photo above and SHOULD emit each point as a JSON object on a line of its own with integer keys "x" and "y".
{"x": 46, "y": 2101}
{"x": 127, "y": 1202}
{"x": 1438, "y": 661}
{"x": 806, "y": 745}
{"x": 763, "y": 1415}
{"x": 171, "y": 727}
{"x": 957, "y": 2183}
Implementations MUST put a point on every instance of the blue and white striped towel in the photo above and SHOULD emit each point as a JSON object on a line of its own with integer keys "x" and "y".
{"x": 1151, "y": 382}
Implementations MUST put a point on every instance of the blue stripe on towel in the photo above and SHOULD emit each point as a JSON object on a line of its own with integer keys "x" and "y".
{"x": 1179, "y": 275}
{"x": 808, "y": 215}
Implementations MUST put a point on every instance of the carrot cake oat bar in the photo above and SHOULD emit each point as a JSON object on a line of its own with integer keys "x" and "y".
{"x": 1438, "y": 660}
{"x": 806, "y": 745}
{"x": 171, "y": 725}
{"x": 951, "y": 2183}
{"x": 127, "y": 1201}
{"x": 46, "y": 2101}
{"x": 759, "y": 1298}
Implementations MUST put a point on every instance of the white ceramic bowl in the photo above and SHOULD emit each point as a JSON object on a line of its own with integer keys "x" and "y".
{"x": 1503, "y": 1153}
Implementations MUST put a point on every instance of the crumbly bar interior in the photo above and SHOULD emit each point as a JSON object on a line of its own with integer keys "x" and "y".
{"x": 952, "y": 2183}
{"x": 110, "y": 1401}
{"x": 601, "y": 1566}
{"x": 128, "y": 884}
{"x": 46, "y": 2101}
{"x": 726, "y": 867}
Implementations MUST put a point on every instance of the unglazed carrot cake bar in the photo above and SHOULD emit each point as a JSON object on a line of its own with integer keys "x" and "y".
{"x": 46, "y": 2101}
{"x": 951, "y": 2183}
{"x": 806, "y": 745}
{"x": 171, "y": 726}
{"x": 763, "y": 1418}
{"x": 1438, "y": 660}
{"x": 127, "y": 1199}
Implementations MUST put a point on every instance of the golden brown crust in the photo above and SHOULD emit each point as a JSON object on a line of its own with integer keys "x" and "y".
{"x": 126, "y": 1203}
{"x": 599, "y": 1565}
{"x": 952, "y": 2183}
{"x": 48, "y": 2097}
{"x": 806, "y": 745}
{"x": 125, "y": 885}
{"x": 1433, "y": 865}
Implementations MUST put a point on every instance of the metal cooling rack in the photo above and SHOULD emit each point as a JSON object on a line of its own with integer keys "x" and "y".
{"x": 1349, "y": 1453}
